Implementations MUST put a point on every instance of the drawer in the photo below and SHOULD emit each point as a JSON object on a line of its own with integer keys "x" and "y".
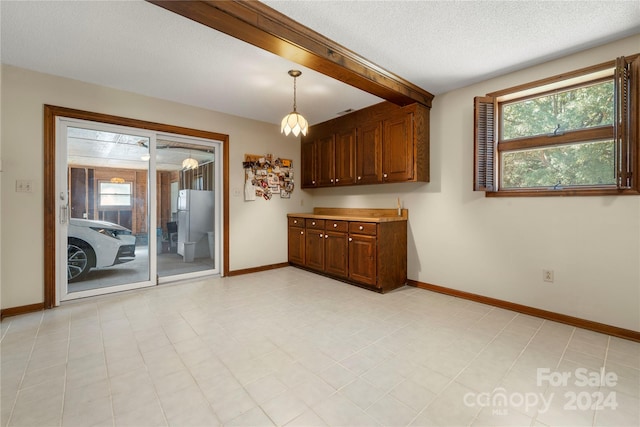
{"x": 296, "y": 222}
{"x": 316, "y": 224}
{"x": 363, "y": 228}
{"x": 339, "y": 226}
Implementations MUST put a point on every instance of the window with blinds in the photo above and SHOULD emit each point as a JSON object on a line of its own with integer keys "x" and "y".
{"x": 574, "y": 134}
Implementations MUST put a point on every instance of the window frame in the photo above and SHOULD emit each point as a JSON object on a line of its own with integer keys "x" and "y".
{"x": 104, "y": 207}
{"x": 489, "y": 146}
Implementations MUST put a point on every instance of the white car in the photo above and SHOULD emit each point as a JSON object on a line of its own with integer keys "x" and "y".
{"x": 93, "y": 244}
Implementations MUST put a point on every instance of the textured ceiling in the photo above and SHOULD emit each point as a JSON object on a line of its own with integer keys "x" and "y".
{"x": 437, "y": 45}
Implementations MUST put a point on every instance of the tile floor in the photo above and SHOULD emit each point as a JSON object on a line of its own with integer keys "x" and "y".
{"x": 289, "y": 348}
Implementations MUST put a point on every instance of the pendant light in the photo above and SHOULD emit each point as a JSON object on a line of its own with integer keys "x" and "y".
{"x": 189, "y": 163}
{"x": 294, "y": 122}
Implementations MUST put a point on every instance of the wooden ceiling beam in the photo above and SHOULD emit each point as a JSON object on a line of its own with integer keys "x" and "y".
{"x": 257, "y": 24}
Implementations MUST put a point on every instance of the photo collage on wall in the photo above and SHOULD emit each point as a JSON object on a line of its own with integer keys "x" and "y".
{"x": 265, "y": 177}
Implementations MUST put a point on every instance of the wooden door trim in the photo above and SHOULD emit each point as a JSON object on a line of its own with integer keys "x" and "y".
{"x": 50, "y": 114}
{"x": 258, "y": 24}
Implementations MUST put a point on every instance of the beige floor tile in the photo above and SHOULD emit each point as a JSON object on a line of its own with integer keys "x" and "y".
{"x": 287, "y": 347}
{"x": 284, "y": 408}
{"x": 362, "y": 393}
{"x": 307, "y": 419}
{"x": 389, "y": 411}
{"x": 253, "y": 418}
{"x": 265, "y": 388}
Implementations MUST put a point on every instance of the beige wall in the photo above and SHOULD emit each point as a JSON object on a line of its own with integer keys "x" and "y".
{"x": 257, "y": 229}
{"x": 497, "y": 247}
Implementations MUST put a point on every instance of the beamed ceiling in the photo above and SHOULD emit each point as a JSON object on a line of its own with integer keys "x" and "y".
{"x": 352, "y": 53}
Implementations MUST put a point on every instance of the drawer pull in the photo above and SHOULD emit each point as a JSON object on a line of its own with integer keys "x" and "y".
{"x": 320, "y": 235}
{"x": 326, "y": 236}
{"x": 313, "y": 223}
{"x": 335, "y": 225}
{"x": 350, "y": 239}
{"x": 295, "y": 221}
{"x": 361, "y": 228}
{"x": 302, "y": 232}
{"x": 337, "y": 179}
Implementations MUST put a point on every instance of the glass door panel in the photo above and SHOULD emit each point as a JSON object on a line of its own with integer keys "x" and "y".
{"x": 107, "y": 194}
{"x": 187, "y": 206}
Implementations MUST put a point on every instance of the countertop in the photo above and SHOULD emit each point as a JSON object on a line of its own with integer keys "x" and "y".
{"x": 355, "y": 214}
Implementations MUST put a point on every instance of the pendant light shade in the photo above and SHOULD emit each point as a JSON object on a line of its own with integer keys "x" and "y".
{"x": 189, "y": 163}
{"x": 294, "y": 122}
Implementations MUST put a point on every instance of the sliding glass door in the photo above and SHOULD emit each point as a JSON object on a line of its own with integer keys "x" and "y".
{"x": 135, "y": 208}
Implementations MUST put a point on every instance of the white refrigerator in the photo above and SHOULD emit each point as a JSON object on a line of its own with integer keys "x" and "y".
{"x": 195, "y": 221}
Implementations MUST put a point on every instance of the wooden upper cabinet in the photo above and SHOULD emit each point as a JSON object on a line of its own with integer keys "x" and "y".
{"x": 325, "y": 149}
{"x": 345, "y": 157}
{"x": 308, "y": 162}
{"x": 397, "y": 155}
{"x": 378, "y": 144}
{"x": 369, "y": 153}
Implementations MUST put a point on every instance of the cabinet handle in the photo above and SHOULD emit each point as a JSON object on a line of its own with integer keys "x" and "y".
{"x": 350, "y": 239}
{"x": 313, "y": 223}
{"x": 313, "y": 182}
{"x": 385, "y": 175}
{"x": 337, "y": 179}
{"x": 335, "y": 225}
{"x": 302, "y": 232}
{"x": 331, "y": 179}
{"x": 361, "y": 228}
{"x": 320, "y": 235}
{"x": 326, "y": 236}
{"x": 359, "y": 178}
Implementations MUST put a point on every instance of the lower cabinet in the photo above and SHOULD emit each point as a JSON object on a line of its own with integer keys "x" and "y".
{"x": 296, "y": 240}
{"x": 362, "y": 259}
{"x": 314, "y": 246}
{"x": 369, "y": 254}
{"x": 336, "y": 249}
{"x": 314, "y": 250}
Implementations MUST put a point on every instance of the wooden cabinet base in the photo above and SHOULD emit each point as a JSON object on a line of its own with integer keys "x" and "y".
{"x": 382, "y": 290}
{"x": 363, "y": 247}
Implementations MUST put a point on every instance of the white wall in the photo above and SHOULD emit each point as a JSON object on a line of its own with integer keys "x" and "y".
{"x": 257, "y": 229}
{"x": 497, "y": 247}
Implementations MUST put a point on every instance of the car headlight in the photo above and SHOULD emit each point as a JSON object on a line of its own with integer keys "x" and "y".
{"x": 107, "y": 232}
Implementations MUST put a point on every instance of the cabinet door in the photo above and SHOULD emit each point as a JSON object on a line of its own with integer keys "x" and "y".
{"x": 324, "y": 161}
{"x": 296, "y": 245}
{"x": 369, "y": 153}
{"x": 362, "y": 259}
{"x": 314, "y": 249}
{"x": 336, "y": 250}
{"x": 398, "y": 154}
{"x": 345, "y": 157}
{"x": 308, "y": 162}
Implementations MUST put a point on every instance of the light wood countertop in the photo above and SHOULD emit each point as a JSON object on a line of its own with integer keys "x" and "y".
{"x": 355, "y": 214}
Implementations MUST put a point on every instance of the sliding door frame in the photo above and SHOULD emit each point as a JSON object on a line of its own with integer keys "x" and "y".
{"x": 51, "y": 113}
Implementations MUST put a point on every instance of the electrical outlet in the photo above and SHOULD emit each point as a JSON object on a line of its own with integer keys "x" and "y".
{"x": 547, "y": 276}
{"x": 24, "y": 186}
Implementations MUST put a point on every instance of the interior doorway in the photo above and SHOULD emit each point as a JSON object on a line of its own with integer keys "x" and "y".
{"x": 132, "y": 206}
